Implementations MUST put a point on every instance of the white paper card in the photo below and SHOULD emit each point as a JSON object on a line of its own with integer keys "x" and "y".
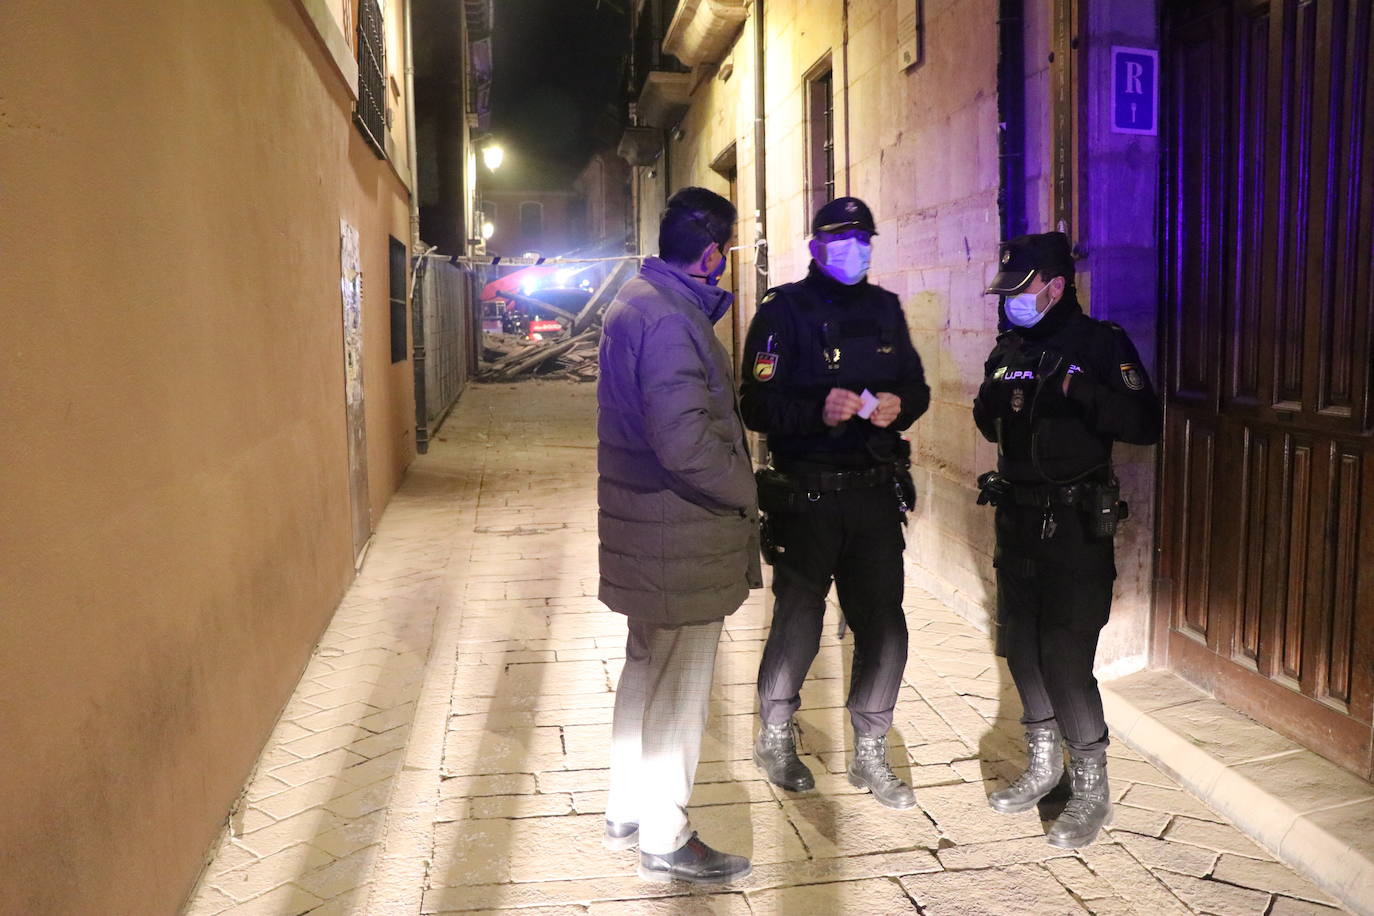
{"x": 870, "y": 403}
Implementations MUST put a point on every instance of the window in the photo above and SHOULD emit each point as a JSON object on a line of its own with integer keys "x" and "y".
{"x": 820, "y": 133}
{"x": 370, "y": 115}
{"x": 398, "y": 300}
{"x": 531, "y": 219}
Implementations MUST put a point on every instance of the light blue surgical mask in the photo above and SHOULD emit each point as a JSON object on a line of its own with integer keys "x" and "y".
{"x": 847, "y": 260}
{"x": 1023, "y": 310}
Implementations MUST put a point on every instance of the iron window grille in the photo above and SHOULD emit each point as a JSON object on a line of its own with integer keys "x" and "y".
{"x": 398, "y": 300}
{"x": 821, "y": 139}
{"x": 370, "y": 113}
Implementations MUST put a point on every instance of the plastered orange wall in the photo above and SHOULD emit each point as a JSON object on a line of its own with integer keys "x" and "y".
{"x": 174, "y": 523}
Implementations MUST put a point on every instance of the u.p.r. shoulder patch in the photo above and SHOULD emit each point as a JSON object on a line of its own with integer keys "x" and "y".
{"x": 765, "y": 366}
{"x": 1130, "y": 374}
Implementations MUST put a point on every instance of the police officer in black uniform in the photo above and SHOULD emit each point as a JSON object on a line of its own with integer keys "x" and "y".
{"x": 831, "y": 376}
{"x": 1059, "y": 388}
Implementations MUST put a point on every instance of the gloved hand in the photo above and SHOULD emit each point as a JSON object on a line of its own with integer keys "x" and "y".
{"x": 993, "y": 488}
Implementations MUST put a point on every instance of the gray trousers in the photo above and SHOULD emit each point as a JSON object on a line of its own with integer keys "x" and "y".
{"x": 660, "y": 714}
{"x": 854, "y": 536}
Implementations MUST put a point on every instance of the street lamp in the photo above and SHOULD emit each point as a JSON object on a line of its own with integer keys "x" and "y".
{"x": 488, "y": 230}
{"x": 492, "y": 156}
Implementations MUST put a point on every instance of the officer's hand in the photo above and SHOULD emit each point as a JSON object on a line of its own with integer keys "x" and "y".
{"x": 840, "y": 405}
{"x": 889, "y": 406}
{"x": 1072, "y": 370}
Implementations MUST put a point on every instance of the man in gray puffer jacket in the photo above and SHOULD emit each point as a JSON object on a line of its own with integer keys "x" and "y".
{"x": 678, "y": 525}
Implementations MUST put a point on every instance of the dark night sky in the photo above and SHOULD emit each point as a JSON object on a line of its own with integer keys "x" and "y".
{"x": 557, "y": 65}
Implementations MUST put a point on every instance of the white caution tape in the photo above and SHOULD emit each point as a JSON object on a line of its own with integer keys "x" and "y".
{"x": 503, "y": 261}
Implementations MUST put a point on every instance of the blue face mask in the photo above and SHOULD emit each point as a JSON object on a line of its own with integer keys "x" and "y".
{"x": 1023, "y": 310}
{"x": 718, "y": 301}
{"x": 847, "y": 260}
{"x": 713, "y": 278}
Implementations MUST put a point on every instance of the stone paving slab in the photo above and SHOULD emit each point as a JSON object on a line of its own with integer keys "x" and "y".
{"x": 446, "y": 750}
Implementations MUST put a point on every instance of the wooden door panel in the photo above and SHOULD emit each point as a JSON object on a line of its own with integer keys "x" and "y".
{"x": 1248, "y": 381}
{"x": 1195, "y": 464}
{"x": 1255, "y": 523}
{"x": 1195, "y": 273}
{"x": 1293, "y": 47}
{"x": 1348, "y": 242}
{"x": 1334, "y": 660}
{"x": 1282, "y": 637}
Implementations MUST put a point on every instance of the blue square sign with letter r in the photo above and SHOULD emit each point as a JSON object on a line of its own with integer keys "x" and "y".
{"x": 1135, "y": 91}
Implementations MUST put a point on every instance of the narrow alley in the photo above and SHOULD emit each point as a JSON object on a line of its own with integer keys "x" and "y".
{"x": 446, "y": 749}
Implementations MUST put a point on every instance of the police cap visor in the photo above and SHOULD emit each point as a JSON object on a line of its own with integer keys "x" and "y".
{"x": 844, "y": 213}
{"x": 1025, "y": 256}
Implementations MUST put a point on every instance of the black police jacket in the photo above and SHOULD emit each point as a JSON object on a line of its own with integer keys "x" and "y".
{"x": 1044, "y": 435}
{"x": 819, "y": 334}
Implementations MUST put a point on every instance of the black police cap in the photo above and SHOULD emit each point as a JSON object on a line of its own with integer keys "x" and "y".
{"x": 844, "y": 213}
{"x": 1025, "y": 256}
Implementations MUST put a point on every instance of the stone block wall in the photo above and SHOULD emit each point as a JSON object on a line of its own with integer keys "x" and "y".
{"x": 920, "y": 145}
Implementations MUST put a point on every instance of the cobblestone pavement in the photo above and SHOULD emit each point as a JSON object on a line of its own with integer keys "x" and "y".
{"x": 446, "y": 749}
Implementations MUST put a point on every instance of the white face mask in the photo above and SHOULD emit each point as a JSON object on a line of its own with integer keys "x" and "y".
{"x": 847, "y": 260}
{"x": 1023, "y": 310}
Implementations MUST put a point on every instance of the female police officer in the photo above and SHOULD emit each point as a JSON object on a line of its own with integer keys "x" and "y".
{"x": 1059, "y": 388}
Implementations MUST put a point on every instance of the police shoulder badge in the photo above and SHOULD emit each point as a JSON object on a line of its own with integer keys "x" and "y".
{"x": 1130, "y": 374}
{"x": 765, "y": 365}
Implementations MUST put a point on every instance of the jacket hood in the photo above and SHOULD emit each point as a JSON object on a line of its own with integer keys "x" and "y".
{"x": 713, "y": 301}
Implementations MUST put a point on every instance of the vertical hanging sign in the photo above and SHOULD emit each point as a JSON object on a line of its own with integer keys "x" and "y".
{"x": 1135, "y": 91}
{"x": 351, "y": 286}
{"x": 1066, "y": 174}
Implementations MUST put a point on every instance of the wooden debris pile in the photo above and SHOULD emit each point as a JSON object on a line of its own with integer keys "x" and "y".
{"x": 570, "y": 357}
{"x": 513, "y": 357}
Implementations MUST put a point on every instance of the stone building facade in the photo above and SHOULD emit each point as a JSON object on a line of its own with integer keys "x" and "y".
{"x": 920, "y": 143}
{"x": 965, "y": 121}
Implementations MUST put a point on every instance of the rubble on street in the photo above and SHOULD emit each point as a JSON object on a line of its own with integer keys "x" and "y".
{"x": 571, "y": 356}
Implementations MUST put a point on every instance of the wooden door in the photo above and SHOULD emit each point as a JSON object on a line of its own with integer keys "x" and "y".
{"x": 1267, "y": 471}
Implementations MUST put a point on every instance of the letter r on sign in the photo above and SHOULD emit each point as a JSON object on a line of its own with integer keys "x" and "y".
{"x": 1134, "y": 71}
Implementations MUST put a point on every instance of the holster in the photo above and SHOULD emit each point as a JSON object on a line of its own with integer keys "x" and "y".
{"x": 777, "y": 492}
{"x": 768, "y": 539}
{"x": 778, "y": 496}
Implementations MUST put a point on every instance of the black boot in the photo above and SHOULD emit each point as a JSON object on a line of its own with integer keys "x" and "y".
{"x": 870, "y": 770}
{"x": 695, "y": 863}
{"x": 1090, "y": 807}
{"x": 775, "y": 752}
{"x": 1044, "y": 770}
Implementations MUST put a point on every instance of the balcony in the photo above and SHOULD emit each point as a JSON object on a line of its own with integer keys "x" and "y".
{"x": 703, "y": 31}
{"x": 641, "y": 145}
{"x": 665, "y": 98}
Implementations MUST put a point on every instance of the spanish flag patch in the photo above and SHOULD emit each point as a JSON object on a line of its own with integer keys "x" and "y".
{"x": 1130, "y": 374}
{"x": 765, "y": 365}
